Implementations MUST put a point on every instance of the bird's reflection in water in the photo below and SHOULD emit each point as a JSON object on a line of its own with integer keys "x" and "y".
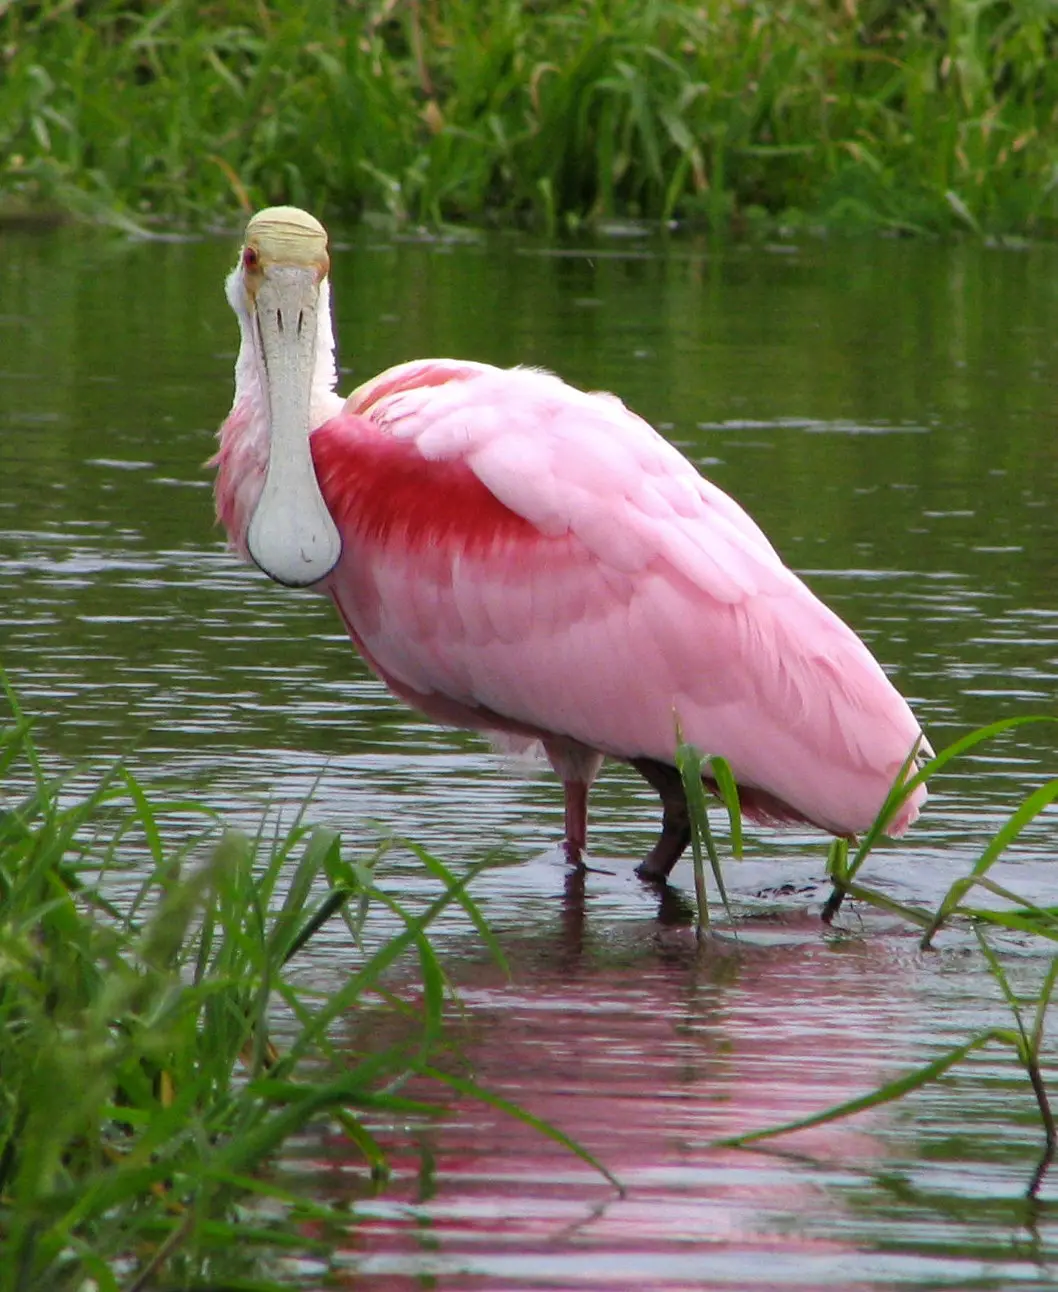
{"x": 674, "y": 909}
{"x": 646, "y": 1045}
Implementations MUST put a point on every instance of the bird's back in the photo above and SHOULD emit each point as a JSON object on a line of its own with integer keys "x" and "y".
{"x": 516, "y": 549}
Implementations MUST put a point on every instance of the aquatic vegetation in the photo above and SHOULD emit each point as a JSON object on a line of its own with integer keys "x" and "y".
{"x": 1016, "y": 914}
{"x": 692, "y": 768}
{"x": 156, "y": 1048}
{"x": 865, "y": 114}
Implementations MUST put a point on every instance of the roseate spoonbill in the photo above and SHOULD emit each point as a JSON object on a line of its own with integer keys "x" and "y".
{"x": 518, "y": 557}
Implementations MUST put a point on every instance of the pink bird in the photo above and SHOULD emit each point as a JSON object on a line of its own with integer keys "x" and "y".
{"x": 518, "y": 557}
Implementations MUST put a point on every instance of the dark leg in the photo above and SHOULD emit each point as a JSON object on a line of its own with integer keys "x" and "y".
{"x": 675, "y": 824}
{"x": 576, "y": 820}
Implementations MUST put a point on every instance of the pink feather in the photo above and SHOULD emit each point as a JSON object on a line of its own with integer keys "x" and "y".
{"x": 525, "y": 557}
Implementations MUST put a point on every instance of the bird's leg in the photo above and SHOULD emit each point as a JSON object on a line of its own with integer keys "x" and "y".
{"x": 675, "y": 821}
{"x": 577, "y": 766}
{"x": 576, "y": 820}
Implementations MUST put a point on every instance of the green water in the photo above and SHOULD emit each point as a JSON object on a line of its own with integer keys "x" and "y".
{"x": 886, "y": 412}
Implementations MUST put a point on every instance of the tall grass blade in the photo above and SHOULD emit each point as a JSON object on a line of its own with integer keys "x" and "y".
{"x": 474, "y": 1091}
{"x": 904, "y": 785}
{"x": 883, "y": 1094}
{"x": 143, "y": 1090}
{"x": 690, "y": 766}
{"x": 1025, "y": 813}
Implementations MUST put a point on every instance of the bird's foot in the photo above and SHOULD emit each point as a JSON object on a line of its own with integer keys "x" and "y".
{"x": 656, "y": 867}
{"x": 652, "y": 874}
{"x": 576, "y": 858}
{"x": 574, "y": 853}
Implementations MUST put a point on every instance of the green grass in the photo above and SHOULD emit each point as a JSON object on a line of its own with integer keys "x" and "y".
{"x": 733, "y": 113}
{"x": 1015, "y": 914}
{"x": 157, "y": 1051}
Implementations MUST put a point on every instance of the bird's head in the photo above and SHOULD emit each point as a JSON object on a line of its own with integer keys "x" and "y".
{"x": 278, "y": 290}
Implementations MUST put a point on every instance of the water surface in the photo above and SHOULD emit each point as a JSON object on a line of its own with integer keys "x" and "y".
{"x": 886, "y": 412}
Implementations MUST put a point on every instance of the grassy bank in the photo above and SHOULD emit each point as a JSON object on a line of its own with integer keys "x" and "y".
{"x": 854, "y": 113}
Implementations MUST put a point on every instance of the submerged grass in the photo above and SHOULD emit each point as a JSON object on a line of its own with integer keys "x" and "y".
{"x": 156, "y": 1050}
{"x": 866, "y": 113}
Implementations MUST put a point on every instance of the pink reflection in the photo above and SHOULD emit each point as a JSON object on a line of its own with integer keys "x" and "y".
{"x": 645, "y": 1050}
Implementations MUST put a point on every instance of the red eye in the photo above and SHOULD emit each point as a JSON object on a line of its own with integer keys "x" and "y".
{"x": 250, "y": 258}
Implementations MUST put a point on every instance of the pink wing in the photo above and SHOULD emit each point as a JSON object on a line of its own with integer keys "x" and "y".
{"x": 526, "y": 556}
